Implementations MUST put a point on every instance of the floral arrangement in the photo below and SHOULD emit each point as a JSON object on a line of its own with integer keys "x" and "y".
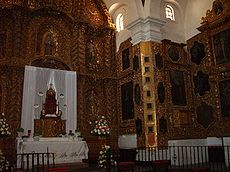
{"x": 103, "y": 156}
{"x": 4, "y": 164}
{"x": 4, "y": 127}
{"x": 100, "y": 127}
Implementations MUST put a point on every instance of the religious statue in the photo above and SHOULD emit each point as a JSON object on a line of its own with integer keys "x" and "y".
{"x": 49, "y": 45}
{"x": 51, "y": 107}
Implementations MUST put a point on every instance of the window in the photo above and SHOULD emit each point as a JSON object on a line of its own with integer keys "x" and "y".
{"x": 169, "y": 12}
{"x": 120, "y": 22}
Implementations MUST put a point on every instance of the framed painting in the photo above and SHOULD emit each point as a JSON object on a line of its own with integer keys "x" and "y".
{"x": 221, "y": 46}
{"x": 178, "y": 88}
{"x": 125, "y": 59}
{"x": 224, "y": 87}
{"x": 127, "y": 101}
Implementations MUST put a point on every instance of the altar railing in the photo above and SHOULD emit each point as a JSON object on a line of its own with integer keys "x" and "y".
{"x": 35, "y": 162}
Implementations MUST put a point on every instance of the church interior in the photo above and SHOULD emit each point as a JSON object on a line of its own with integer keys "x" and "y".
{"x": 133, "y": 75}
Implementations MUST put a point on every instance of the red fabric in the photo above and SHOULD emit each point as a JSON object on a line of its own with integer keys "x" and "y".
{"x": 123, "y": 166}
{"x": 63, "y": 169}
{"x": 200, "y": 170}
{"x": 161, "y": 162}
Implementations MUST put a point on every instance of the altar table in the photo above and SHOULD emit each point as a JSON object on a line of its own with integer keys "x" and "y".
{"x": 66, "y": 151}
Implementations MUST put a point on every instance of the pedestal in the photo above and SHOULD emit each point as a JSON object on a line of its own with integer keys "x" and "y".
{"x": 49, "y": 127}
{"x": 102, "y": 140}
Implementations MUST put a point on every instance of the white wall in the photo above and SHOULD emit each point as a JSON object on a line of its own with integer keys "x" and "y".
{"x": 195, "y": 10}
{"x": 188, "y": 15}
{"x": 174, "y": 30}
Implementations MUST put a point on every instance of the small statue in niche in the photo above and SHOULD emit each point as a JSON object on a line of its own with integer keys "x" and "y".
{"x": 137, "y": 94}
{"x": 136, "y": 62}
{"x": 138, "y": 126}
{"x": 197, "y": 52}
{"x": 51, "y": 107}
{"x": 201, "y": 83}
{"x": 159, "y": 61}
{"x": 163, "y": 125}
{"x": 92, "y": 102}
{"x": 49, "y": 44}
{"x": 161, "y": 92}
{"x": 92, "y": 55}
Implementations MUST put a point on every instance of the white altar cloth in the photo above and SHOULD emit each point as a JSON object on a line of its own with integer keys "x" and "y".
{"x": 65, "y": 151}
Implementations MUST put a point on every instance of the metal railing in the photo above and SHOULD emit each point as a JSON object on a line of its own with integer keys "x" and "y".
{"x": 181, "y": 158}
{"x": 35, "y": 162}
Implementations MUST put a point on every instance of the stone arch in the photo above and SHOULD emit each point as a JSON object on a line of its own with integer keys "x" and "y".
{"x": 116, "y": 9}
{"x": 50, "y": 63}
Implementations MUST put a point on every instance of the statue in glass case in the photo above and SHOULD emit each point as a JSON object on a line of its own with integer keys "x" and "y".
{"x": 51, "y": 107}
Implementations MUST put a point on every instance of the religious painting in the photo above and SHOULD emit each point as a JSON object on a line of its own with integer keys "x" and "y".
{"x": 217, "y": 7}
{"x": 151, "y": 138}
{"x": 178, "y": 88}
{"x": 221, "y": 43}
{"x": 137, "y": 93}
{"x": 224, "y": 87}
{"x": 2, "y": 44}
{"x": 205, "y": 114}
{"x": 173, "y": 53}
{"x": 127, "y": 101}
{"x": 181, "y": 117}
{"x": 197, "y": 52}
{"x": 136, "y": 63}
{"x": 201, "y": 83}
{"x": 125, "y": 59}
{"x": 159, "y": 61}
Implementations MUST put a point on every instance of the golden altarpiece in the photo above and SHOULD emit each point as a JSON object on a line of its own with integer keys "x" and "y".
{"x": 76, "y": 35}
{"x": 177, "y": 94}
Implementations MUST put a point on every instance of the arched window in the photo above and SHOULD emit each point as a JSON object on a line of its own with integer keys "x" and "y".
{"x": 169, "y": 12}
{"x": 120, "y": 22}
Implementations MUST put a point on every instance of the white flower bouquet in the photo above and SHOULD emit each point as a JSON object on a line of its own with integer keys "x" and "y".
{"x": 4, "y": 164}
{"x": 103, "y": 156}
{"x": 4, "y": 127}
{"x": 100, "y": 127}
